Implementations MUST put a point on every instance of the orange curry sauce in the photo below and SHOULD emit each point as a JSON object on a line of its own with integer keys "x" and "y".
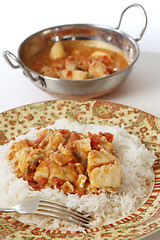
{"x": 67, "y": 160}
{"x": 79, "y": 60}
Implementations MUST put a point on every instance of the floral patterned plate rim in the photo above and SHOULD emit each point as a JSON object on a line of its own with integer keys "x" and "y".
{"x": 141, "y": 223}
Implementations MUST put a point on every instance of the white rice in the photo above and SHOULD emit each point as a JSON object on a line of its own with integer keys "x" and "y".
{"x": 135, "y": 160}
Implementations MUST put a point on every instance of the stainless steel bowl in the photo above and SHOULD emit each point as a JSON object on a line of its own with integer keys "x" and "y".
{"x": 77, "y": 88}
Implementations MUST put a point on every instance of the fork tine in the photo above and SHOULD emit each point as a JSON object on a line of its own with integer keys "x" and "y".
{"x": 63, "y": 217}
{"x": 57, "y": 210}
{"x": 60, "y": 207}
{"x": 61, "y": 212}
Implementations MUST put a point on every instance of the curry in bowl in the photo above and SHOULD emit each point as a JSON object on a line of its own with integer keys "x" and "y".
{"x": 79, "y": 60}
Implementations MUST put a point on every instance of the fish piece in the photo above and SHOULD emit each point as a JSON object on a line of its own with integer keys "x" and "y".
{"x": 49, "y": 139}
{"x": 106, "y": 177}
{"x": 27, "y": 160}
{"x": 57, "y": 51}
{"x": 105, "y": 144}
{"x": 81, "y": 180}
{"x": 67, "y": 172}
{"x": 99, "y": 158}
{"x": 67, "y": 187}
{"x": 81, "y": 149}
{"x": 79, "y": 75}
{"x": 42, "y": 171}
{"x": 97, "y": 69}
{"x": 63, "y": 156}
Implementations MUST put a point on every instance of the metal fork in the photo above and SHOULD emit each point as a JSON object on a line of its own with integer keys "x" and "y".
{"x": 49, "y": 208}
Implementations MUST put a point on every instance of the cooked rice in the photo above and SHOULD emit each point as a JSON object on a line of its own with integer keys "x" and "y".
{"x": 135, "y": 160}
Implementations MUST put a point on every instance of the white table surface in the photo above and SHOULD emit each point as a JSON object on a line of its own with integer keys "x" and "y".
{"x": 19, "y": 19}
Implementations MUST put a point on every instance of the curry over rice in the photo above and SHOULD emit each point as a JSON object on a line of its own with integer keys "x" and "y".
{"x": 68, "y": 160}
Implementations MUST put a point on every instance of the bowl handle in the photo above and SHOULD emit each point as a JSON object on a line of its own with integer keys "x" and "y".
{"x": 8, "y": 55}
{"x": 145, "y": 16}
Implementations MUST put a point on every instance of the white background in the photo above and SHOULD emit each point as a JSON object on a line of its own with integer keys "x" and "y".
{"x": 19, "y": 19}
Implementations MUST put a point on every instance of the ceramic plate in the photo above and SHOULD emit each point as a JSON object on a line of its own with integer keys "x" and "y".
{"x": 145, "y": 220}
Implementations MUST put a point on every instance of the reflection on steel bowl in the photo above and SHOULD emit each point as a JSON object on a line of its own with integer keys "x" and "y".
{"x": 78, "y": 60}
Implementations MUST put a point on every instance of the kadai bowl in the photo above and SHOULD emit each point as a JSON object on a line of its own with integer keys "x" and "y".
{"x": 78, "y": 60}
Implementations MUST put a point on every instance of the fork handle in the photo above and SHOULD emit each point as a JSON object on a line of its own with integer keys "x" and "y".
{"x": 7, "y": 210}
